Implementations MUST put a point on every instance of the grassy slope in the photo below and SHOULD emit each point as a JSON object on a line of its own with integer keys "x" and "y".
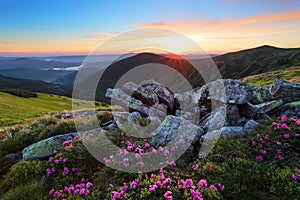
{"x": 291, "y": 74}
{"x": 258, "y": 60}
{"x": 16, "y": 110}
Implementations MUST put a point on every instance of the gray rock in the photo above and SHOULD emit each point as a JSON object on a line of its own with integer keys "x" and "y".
{"x": 288, "y": 109}
{"x": 134, "y": 116}
{"x": 232, "y": 115}
{"x": 164, "y": 95}
{"x": 174, "y": 127}
{"x": 110, "y": 125}
{"x": 14, "y": 156}
{"x": 215, "y": 121}
{"x": 232, "y": 131}
{"x": 45, "y": 148}
{"x": 259, "y": 94}
{"x": 126, "y": 102}
{"x": 285, "y": 90}
{"x": 226, "y": 91}
{"x": 250, "y": 126}
{"x": 145, "y": 94}
{"x": 255, "y": 111}
{"x": 200, "y": 133}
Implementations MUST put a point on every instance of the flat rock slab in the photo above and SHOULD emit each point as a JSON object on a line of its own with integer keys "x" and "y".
{"x": 46, "y": 147}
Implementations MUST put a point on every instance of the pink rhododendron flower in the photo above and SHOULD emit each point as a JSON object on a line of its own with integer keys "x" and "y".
{"x": 267, "y": 137}
{"x": 181, "y": 184}
{"x": 202, "y": 183}
{"x": 263, "y": 152}
{"x": 280, "y": 157}
{"x": 284, "y": 118}
{"x": 69, "y": 147}
{"x": 195, "y": 167}
{"x": 67, "y": 142}
{"x": 286, "y": 136}
{"x": 259, "y": 158}
{"x": 253, "y": 143}
{"x": 196, "y": 194}
{"x": 222, "y": 187}
{"x": 168, "y": 195}
{"x": 279, "y": 151}
{"x": 152, "y": 188}
{"x": 172, "y": 164}
{"x": 213, "y": 187}
{"x": 284, "y": 126}
{"x": 50, "y": 159}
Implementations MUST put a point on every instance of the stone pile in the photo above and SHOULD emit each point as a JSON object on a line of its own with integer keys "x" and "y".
{"x": 232, "y": 107}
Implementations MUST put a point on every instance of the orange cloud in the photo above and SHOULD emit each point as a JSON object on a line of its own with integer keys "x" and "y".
{"x": 251, "y": 20}
{"x": 281, "y": 29}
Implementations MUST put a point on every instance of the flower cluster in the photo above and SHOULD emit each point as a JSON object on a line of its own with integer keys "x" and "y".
{"x": 280, "y": 140}
{"x": 81, "y": 189}
{"x": 69, "y": 143}
{"x": 141, "y": 150}
{"x": 167, "y": 185}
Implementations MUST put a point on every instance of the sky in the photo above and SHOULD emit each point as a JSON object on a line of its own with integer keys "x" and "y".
{"x": 60, "y": 27}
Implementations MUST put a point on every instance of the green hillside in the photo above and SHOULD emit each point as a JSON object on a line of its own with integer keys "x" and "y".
{"x": 18, "y": 110}
{"x": 291, "y": 74}
{"x": 257, "y": 61}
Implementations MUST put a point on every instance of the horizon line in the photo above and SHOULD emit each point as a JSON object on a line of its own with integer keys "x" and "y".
{"x": 57, "y": 54}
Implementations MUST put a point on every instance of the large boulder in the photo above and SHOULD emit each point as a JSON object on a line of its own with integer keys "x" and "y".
{"x": 285, "y": 91}
{"x": 144, "y": 94}
{"x": 259, "y": 94}
{"x": 45, "y": 148}
{"x": 288, "y": 109}
{"x": 226, "y": 91}
{"x": 151, "y": 93}
{"x": 173, "y": 128}
{"x": 127, "y": 101}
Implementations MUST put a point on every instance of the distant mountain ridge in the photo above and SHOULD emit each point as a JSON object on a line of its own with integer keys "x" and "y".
{"x": 32, "y": 85}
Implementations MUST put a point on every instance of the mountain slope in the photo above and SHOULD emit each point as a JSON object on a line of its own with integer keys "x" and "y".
{"x": 32, "y": 85}
{"x": 256, "y": 61}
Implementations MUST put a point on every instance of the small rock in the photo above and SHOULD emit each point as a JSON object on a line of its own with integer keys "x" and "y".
{"x": 250, "y": 126}
{"x": 232, "y": 131}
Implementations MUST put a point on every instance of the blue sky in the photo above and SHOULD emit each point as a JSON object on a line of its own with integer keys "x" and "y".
{"x": 66, "y": 27}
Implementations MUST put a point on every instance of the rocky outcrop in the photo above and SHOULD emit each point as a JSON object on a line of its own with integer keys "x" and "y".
{"x": 224, "y": 107}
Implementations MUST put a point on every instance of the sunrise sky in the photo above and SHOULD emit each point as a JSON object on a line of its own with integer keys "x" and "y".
{"x": 56, "y": 27}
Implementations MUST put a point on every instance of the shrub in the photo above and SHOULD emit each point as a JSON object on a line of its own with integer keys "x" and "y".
{"x": 65, "y": 126}
{"x": 23, "y": 173}
{"x": 35, "y": 190}
{"x": 20, "y": 93}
